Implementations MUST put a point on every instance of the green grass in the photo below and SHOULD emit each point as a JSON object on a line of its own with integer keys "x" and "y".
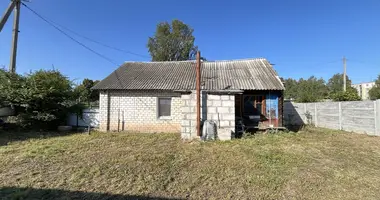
{"x": 310, "y": 164}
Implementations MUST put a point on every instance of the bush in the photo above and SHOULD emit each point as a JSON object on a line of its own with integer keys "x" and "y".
{"x": 349, "y": 95}
{"x": 42, "y": 99}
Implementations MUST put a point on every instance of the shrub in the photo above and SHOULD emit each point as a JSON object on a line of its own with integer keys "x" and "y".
{"x": 42, "y": 99}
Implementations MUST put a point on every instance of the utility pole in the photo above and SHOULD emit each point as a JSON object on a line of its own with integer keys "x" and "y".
{"x": 14, "y": 5}
{"x": 344, "y": 74}
{"x": 12, "y": 66}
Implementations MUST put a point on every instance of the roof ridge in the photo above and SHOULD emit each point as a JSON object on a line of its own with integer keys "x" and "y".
{"x": 241, "y": 59}
{"x": 159, "y": 61}
{"x": 207, "y": 61}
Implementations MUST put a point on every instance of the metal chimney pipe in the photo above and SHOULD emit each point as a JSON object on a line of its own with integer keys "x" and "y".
{"x": 198, "y": 92}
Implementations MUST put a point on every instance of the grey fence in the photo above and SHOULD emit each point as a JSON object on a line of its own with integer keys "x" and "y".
{"x": 356, "y": 116}
{"x": 89, "y": 117}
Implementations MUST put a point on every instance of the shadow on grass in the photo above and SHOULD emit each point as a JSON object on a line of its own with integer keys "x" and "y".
{"x": 33, "y": 193}
{"x": 12, "y": 136}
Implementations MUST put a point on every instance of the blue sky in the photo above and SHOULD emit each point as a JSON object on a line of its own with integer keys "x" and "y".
{"x": 302, "y": 38}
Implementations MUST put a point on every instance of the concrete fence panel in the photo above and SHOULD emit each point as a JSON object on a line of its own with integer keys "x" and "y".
{"x": 356, "y": 116}
{"x": 90, "y": 117}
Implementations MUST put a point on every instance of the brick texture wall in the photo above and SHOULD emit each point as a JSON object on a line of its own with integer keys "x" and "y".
{"x": 219, "y": 108}
{"x": 138, "y": 110}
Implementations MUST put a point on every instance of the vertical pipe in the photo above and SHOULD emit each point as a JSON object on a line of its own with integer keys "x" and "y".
{"x": 122, "y": 125}
{"x": 198, "y": 92}
{"x": 108, "y": 110}
{"x": 118, "y": 120}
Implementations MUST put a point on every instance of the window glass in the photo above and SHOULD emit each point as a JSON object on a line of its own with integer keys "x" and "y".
{"x": 164, "y": 107}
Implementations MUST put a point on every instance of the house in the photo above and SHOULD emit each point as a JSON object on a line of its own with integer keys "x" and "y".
{"x": 160, "y": 96}
{"x": 363, "y": 89}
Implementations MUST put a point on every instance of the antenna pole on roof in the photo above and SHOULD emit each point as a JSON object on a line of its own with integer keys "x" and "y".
{"x": 198, "y": 92}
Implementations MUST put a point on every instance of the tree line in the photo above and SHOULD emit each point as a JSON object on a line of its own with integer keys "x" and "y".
{"x": 317, "y": 89}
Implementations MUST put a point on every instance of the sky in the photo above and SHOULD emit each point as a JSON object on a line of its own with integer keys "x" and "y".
{"x": 301, "y": 37}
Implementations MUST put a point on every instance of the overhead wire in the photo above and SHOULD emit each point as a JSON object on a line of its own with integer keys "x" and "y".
{"x": 100, "y": 43}
{"x": 69, "y": 36}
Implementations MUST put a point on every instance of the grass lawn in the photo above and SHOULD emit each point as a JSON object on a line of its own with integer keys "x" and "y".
{"x": 310, "y": 164}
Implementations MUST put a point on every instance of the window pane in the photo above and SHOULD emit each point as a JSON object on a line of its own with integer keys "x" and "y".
{"x": 164, "y": 106}
{"x": 253, "y": 105}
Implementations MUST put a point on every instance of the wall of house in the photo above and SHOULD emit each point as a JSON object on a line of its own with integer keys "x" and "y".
{"x": 356, "y": 116}
{"x": 219, "y": 108}
{"x": 137, "y": 111}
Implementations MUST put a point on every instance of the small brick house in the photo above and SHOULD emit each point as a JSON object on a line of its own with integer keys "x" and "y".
{"x": 160, "y": 96}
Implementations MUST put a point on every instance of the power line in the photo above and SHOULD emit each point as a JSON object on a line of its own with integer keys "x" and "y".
{"x": 97, "y": 42}
{"x": 100, "y": 43}
{"x": 70, "y": 37}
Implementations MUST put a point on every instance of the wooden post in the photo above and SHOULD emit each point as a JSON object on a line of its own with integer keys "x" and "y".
{"x": 198, "y": 93}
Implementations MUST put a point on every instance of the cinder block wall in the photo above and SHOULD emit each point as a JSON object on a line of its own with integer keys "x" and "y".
{"x": 138, "y": 110}
{"x": 356, "y": 116}
{"x": 217, "y": 107}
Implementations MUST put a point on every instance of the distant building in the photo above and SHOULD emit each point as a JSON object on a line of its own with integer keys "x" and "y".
{"x": 363, "y": 89}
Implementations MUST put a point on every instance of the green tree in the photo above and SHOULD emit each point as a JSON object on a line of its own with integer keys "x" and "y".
{"x": 335, "y": 85}
{"x": 291, "y": 91}
{"x": 13, "y": 89}
{"x": 374, "y": 92}
{"x": 311, "y": 90}
{"x": 349, "y": 95}
{"x": 172, "y": 42}
{"x": 84, "y": 93}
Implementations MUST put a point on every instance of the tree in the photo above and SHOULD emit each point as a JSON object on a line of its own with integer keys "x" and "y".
{"x": 290, "y": 88}
{"x": 335, "y": 85}
{"x": 173, "y": 42}
{"x": 84, "y": 93}
{"x": 349, "y": 95}
{"x": 12, "y": 87}
{"x": 311, "y": 90}
{"x": 374, "y": 92}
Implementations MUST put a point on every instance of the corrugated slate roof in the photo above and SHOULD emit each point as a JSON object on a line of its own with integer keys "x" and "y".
{"x": 250, "y": 74}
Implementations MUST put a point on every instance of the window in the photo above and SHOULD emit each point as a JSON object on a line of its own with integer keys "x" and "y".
{"x": 254, "y": 105}
{"x": 164, "y": 107}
